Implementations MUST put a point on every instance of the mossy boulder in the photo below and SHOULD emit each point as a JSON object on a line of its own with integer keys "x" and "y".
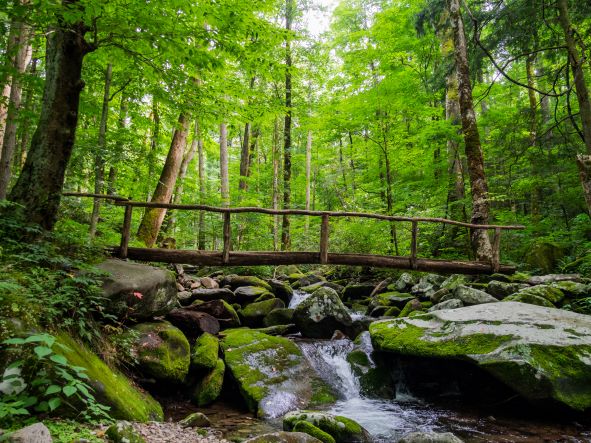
{"x": 404, "y": 283}
{"x": 374, "y": 380}
{"x": 254, "y": 313}
{"x": 552, "y": 294}
{"x": 357, "y": 291}
{"x": 529, "y": 298}
{"x": 205, "y": 352}
{"x": 321, "y": 314}
{"x": 225, "y": 313}
{"x": 281, "y": 316}
{"x": 572, "y": 288}
{"x": 541, "y": 353}
{"x": 264, "y": 296}
{"x": 138, "y": 291}
{"x": 453, "y": 281}
{"x": 283, "y": 437}
{"x": 162, "y": 351}
{"x": 237, "y": 281}
{"x": 195, "y": 420}
{"x": 392, "y": 312}
{"x": 209, "y": 387}
{"x": 500, "y": 289}
{"x": 205, "y": 294}
{"x": 281, "y": 290}
{"x": 272, "y": 374}
{"x": 391, "y": 298}
{"x": 469, "y": 296}
{"x": 410, "y": 306}
{"x": 110, "y": 386}
{"x": 248, "y": 294}
{"x": 310, "y": 429}
{"x": 123, "y": 432}
{"x": 342, "y": 429}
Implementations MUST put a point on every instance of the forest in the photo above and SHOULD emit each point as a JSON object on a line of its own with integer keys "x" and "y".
{"x": 475, "y": 111}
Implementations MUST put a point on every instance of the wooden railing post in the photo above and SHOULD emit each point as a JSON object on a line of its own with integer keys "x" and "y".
{"x": 227, "y": 238}
{"x": 413, "y": 244}
{"x": 125, "y": 234}
{"x": 324, "y": 231}
{"x": 496, "y": 251}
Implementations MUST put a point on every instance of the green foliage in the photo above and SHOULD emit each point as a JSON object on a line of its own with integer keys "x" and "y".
{"x": 43, "y": 381}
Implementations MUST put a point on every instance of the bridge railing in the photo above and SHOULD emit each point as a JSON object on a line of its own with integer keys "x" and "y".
{"x": 322, "y": 257}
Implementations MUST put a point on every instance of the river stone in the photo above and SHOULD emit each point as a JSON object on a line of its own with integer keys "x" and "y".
{"x": 213, "y": 294}
{"x": 193, "y": 323}
{"x": 283, "y": 437}
{"x": 541, "y": 353}
{"x": 307, "y": 280}
{"x": 237, "y": 281}
{"x": 453, "y": 281}
{"x": 123, "y": 432}
{"x": 469, "y": 296}
{"x": 209, "y": 387}
{"x": 272, "y": 374}
{"x": 254, "y": 313}
{"x": 430, "y": 437}
{"x": 321, "y": 314}
{"x": 553, "y": 295}
{"x": 282, "y": 316}
{"x": 439, "y": 294}
{"x": 553, "y": 278}
{"x": 310, "y": 289}
{"x": 342, "y": 429}
{"x": 205, "y": 352}
{"x": 247, "y": 294}
{"x": 404, "y": 283}
{"x": 357, "y": 291}
{"x": 35, "y": 433}
{"x": 209, "y": 283}
{"x": 500, "y": 290}
{"x": 162, "y": 351}
{"x": 390, "y": 299}
{"x": 310, "y": 429}
{"x": 221, "y": 310}
{"x": 281, "y": 290}
{"x": 138, "y": 291}
{"x": 195, "y": 420}
{"x": 449, "y": 304}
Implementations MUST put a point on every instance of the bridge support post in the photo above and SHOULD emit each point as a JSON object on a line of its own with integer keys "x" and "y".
{"x": 126, "y": 232}
{"x": 227, "y": 238}
{"x": 496, "y": 251}
{"x": 413, "y": 245}
{"x": 324, "y": 232}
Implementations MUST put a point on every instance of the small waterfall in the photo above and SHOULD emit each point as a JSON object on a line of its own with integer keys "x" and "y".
{"x": 297, "y": 297}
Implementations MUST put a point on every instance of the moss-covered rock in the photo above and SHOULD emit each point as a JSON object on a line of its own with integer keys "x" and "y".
{"x": 110, "y": 386}
{"x": 357, "y": 291}
{"x": 162, "y": 351}
{"x": 553, "y": 295}
{"x": 283, "y": 437}
{"x": 410, "y": 306}
{"x": 404, "y": 283}
{"x": 342, "y": 429}
{"x": 264, "y": 296}
{"x": 321, "y": 314}
{"x": 281, "y": 316}
{"x": 375, "y": 381}
{"x": 391, "y": 298}
{"x": 248, "y": 294}
{"x": 210, "y": 386}
{"x": 221, "y": 310}
{"x": 281, "y": 290}
{"x": 539, "y": 352}
{"x": 205, "y": 352}
{"x": 572, "y": 289}
{"x": 529, "y": 298}
{"x": 272, "y": 374}
{"x": 500, "y": 290}
{"x": 123, "y": 432}
{"x": 449, "y": 304}
{"x": 310, "y": 429}
{"x": 469, "y": 296}
{"x": 236, "y": 281}
{"x": 254, "y": 313}
{"x": 392, "y": 312}
{"x": 195, "y": 420}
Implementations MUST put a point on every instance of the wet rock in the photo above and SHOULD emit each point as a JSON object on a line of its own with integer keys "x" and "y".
{"x": 213, "y": 294}
{"x": 357, "y": 291}
{"x": 281, "y": 289}
{"x": 321, "y": 314}
{"x": 35, "y": 433}
{"x": 342, "y": 429}
{"x": 195, "y": 420}
{"x": 162, "y": 351}
{"x": 375, "y": 381}
{"x": 307, "y": 280}
{"x": 449, "y": 304}
{"x": 541, "y": 353}
{"x": 237, "y": 281}
{"x": 310, "y": 429}
{"x": 283, "y": 437}
{"x": 411, "y": 306}
{"x": 392, "y": 312}
{"x": 221, "y": 310}
{"x": 185, "y": 297}
{"x": 193, "y": 323}
{"x": 281, "y": 316}
{"x": 209, "y": 387}
{"x": 469, "y": 296}
{"x": 138, "y": 291}
{"x": 123, "y": 432}
{"x": 205, "y": 352}
{"x": 553, "y": 278}
{"x": 248, "y": 294}
{"x": 430, "y": 437}
{"x": 312, "y": 288}
{"x": 254, "y": 313}
{"x": 271, "y": 372}
{"x": 500, "y": 290}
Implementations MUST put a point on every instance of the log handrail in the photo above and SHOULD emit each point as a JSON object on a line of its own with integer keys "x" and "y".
{"x": 103, "y": 196}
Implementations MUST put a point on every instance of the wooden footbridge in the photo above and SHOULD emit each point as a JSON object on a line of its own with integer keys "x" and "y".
{"x": 228, "y": 257}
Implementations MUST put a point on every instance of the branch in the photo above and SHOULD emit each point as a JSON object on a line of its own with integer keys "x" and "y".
{"x": 120, "y": 89}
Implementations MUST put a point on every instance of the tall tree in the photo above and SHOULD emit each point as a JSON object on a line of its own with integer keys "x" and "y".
{"x": 224, "y": 175}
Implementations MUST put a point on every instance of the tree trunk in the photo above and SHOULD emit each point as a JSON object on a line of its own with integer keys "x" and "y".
{"x": 285, "y": 231}
{"x": 99, "y": 160}
{"x": 30, "y": 105}
{"x": 153, "y": 146}
{"x": 245, "y": 158}
{"x": 342, "y": 164}
{"x": 153, "y": 217}
{"x": 224, "y": 177}
{"x": 22, "y": 56}
{"x": 480, "y": 204}
{"x": 308, "y": 173}
{"x": 201, "y": 166}
{"x": 39, "y": 186}
{"x": 276, "y": 155}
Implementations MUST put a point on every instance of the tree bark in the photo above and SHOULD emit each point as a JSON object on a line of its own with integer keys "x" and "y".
{"x": 30, "y": 104}
{"x": 480, "y": 204}
{"x": 153, "y": 217}
{"x": 276, "y": 155}
{"x": 245, "y": 157}
{"x": 22, "y": 56}
{"x": 153, "y": 145}
{"x": 99, "y": 160}
{"x": 39, "y": 186}
{"x": 224, "y": 176}
{"x": 201, "y": 166}
{"x": 308, "y": 173}
{"x": 285, "y": 228}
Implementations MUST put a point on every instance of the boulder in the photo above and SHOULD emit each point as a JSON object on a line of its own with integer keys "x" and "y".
{"x": 281, "y": 290}
{"x": 225, "y": 314}
{"x": 123, "y": 432}
{"x": 411, "y": 306}
{"x": 311, "y": 288}
{"x": 248, "y": 294}
{"x": 281, "y": 316}
{"x": 205, "y": 352}
{"x": 195, "y": 420}
{"x": 449, "y": 304}
{"x": 263, "y": 297}
{"x": 212, "y": 294}
{"x": 162, "y": 351}
{"x": 310, "y": 429}
{"x": 357, "y": 291}
{"x": 236, "y": 281}
{"x": 404, "y": 283}
{"x": 35, "y": 433}
{"x": 541, "y": 353}
{"x": 572, "y": 289}
{"x": 529, "y": 298}
{"x": 469, "y": 296}
{"x": 553, "y": 278}
{"x": 342, "y": 429}
{"x": 111, "y": 387}
{"x": 209, "y": 387}
{"x": 283, "y": 437}
{"x": 278, "y": 329}
{"x": 193, "y": 323}
{"x": 375, "y": 381}
{"x": 321, "y": 314}
{"x": 381, "y": 287}
{"x": 427, "y": 286}
{"x": 272, "y": 374}
{"x": 307, "y": 280}
{"x": 254, "y": 313}
{"x": 453, "y": 281}
{"x": 500, "y": 290}
{"x": 439, "y": 294}
{"x": 138, "y": 291}
{"x": 390, "y": 299}
{"x": 209, "y": 283}
{"x": 430, "y": 437}
{"x": 553, "y": 295}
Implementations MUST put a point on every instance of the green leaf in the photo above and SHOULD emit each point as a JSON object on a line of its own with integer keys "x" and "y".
{"x": 54, "y": 403}
{"x": 42, "y": 351}
{"x": 13, "y": 341}
{"x": 60, "y": 359}
{"x": 52, "y": 389}
{"x": 69, "y": 390}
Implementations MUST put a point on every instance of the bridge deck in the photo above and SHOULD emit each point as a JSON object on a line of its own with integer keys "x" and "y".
{"x": 237, "y": 258}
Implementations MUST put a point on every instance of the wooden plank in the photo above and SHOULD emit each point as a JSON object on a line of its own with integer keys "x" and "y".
{"x": 126, "y": 232}
{"x": 259, "y": 258}
{"x": 496, "y": 251}
{"x": 413, "y": 245}
{"x": 324, "y": 233}
{"x": 227, "y": 238}
{"x": 104, "y": 196}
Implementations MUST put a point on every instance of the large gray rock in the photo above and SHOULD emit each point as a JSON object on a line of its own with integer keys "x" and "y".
{"x": 553, "y": 278}
{"x": 500, "y": 289}
{"x": 541, "y": 353}
{"x": 449, "y": 304}
{"x": 35, "y": 433}
{"x": 469, "y": 296}
{"x": 430, "y": 437}
{"x": 404, "y": 283}
{"x": 138, "y": 291}
{"x": 321, "y": 314}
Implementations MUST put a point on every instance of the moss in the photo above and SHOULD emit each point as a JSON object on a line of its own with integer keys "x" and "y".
{"x": 322, "y": 394}
{"x": 163, "y": 351}
{"x": 111, "y": 387}
{"x": 123, "y": 432}
{"x": 210, "y": 387}
{"x": 529, "y": 298}
{"x": 310, "y": 429}
{"x": 358, "y": 357}
{"x": 410, "y": 306}
{"x": 236, "y": 281}
{"x": 254, "y": 313}
{"x": 392, "y": 312}
{"x": 426, "y": 304}
{"x": 553, "y": 295}
{"x": 342, "y": 429}
{"x": 281, "y": 316}
{"x": 205, "y": 352}
{"x": 264, "y": 296}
